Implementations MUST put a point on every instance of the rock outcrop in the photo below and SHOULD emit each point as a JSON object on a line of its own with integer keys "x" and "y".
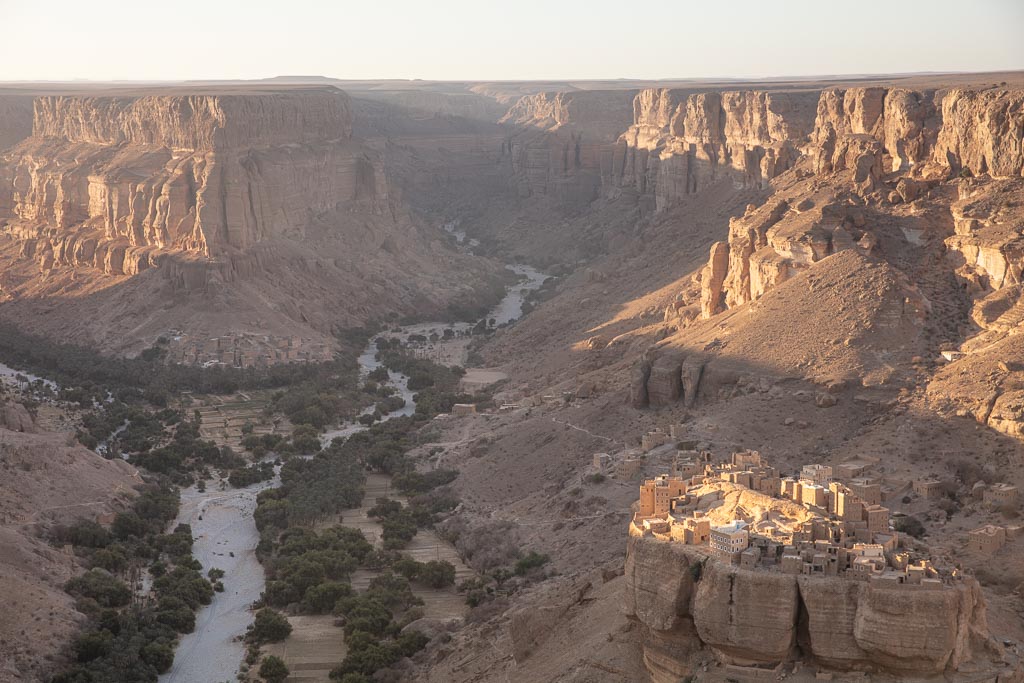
{"x": 860, "y": 138}
{"x": 562, "y": 144}
{"x": 982, "y": 132}
{"x": 110, "y": 182}
{"x": 14, "y": 417}
{"x": 682, "y": 141}
{"x": 758, "y": 618}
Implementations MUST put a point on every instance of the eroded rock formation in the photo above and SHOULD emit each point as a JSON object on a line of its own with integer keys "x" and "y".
{"x": 859, "y": 136}
{"x": 682, "y": 141}
{"x": 563, "y": 143}
{"x": 112, "y": 182}
{"x": 757, "y": 617}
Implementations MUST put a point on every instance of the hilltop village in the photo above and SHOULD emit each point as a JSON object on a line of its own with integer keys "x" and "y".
{"x": 823, "y": 521}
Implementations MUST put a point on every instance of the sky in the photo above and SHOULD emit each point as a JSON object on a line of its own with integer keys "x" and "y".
{"x": 506, "y": 40}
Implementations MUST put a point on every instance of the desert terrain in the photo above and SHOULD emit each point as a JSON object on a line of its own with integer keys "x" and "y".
{"x": 825, "y": 271}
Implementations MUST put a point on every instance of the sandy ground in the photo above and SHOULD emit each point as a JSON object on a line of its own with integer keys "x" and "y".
{"x": 315, "y": 647}
{"x": 225, "y": 537}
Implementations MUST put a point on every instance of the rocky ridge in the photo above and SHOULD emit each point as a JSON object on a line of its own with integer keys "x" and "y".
{"x": 858, "y": 133}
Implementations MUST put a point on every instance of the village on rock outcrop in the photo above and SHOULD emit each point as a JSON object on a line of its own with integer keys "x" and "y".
{"x": 811, "y": 524}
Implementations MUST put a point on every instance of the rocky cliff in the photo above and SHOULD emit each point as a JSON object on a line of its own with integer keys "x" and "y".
{"x": 681, "y": 141}
{"x": 562, "y": 144}
{"x": 873, "y": 147}
{"x": 110, "y": 182}
{"x": 262, "y": 204}
{"x": 760, "y": 618}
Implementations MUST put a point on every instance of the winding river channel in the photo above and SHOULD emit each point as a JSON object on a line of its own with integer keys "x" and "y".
{"x": 225, "y": 532}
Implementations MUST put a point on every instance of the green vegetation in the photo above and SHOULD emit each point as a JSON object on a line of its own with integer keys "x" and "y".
{"x": 310, "y": 568}
{"x": 246, "y": 476}
{"x": 529, "y": 562}
{"x": 373, "y": 637}
{"x": 150, "y": 378}
{"x": 269, "y": 626}
{"x": 273, "y": 670}
{"x": 312, "y": 490}
{"x": 909, "y": 525}
{"x": 126, "y": 640}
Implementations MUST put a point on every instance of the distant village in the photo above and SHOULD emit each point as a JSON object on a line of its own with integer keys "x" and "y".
{"x": 839, "y": 529}
{"x": 243, "y": 350}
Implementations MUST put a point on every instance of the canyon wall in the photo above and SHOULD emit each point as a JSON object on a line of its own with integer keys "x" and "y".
{"x": 681, "y": 140}
{"x": 761, "y": 618}
{"x": 875, "y": 146}
{"x": 252, "y": 212}
{"x": 561, "y": 145}
{"x": 112, "y": 182}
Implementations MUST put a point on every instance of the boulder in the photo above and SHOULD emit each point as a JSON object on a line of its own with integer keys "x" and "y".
{"x": 638, "y": 397}
{"x": 746, "y": 617}
{"x": 664, "y": 385}
{"x": 16, "y": 418}
{"x": 825, "y": 400}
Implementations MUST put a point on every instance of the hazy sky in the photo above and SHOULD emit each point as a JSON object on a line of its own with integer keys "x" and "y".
{"x": 511, "y": 39}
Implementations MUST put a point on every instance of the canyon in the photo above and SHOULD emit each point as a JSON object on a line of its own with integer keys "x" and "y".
{"x": 240, "y": 208}
{"x": 823, "y": 269}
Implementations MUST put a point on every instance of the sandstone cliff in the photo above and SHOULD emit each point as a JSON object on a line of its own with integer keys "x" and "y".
{"x": 876, "y": 146}
{"x": 261, "y": 205}
{"x": 756, "y": 617}
{"x": 681, "y": 141}
{"x": 111, "y": 182}
{"x": 561, "y": 144}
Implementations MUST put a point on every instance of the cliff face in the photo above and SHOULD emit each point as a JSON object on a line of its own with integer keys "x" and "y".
{"x": 112, "y": 182}
{"x": 875, "y": 146}
{"x": 197, "y": 123}
{"x": 762, "y": 618}
{"x": 681, "y": 141}
{"x": 562, "y": 144}
{"x": 262, "y": 204}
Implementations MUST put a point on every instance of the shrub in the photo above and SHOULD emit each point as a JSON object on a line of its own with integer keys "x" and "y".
{"x": 97, "y": 584}
{"x": 92, "y": 644}
{"x": 84, "y": 533}
{"x": 269, "y": 626}
{"x": 531, "y": 561}
{"x": 322, "y": 598}
{"x": 909, "y": 525}
{"x": 273, "y": 669}
{"x": 437, "y": 573}
{"x": 159, "y": 655}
